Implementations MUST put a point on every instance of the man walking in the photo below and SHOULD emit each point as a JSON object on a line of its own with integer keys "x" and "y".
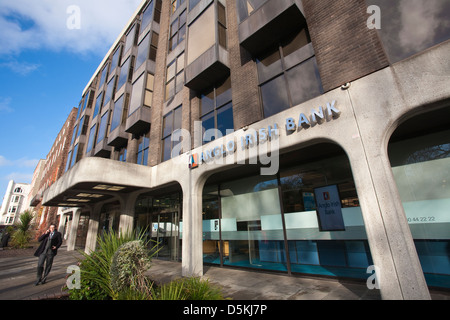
{"x": 50, "y": 241}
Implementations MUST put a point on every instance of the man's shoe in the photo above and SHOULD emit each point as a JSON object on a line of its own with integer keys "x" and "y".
{"x": 37, "y": 282}
{"x": 44, "y": 281}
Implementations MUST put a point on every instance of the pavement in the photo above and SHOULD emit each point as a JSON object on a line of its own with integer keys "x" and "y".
{"x": 18, "y": 275}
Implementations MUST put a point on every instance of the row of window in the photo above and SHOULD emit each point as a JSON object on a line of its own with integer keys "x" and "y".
{"x": 285, "y": 66}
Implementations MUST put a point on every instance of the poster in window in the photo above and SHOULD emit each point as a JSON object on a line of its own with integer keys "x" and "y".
{"x": 308, "y": 201}
{"x": 329, "y": 209}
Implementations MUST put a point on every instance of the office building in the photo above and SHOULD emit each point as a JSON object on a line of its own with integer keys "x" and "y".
{"x": 303, "y": 137}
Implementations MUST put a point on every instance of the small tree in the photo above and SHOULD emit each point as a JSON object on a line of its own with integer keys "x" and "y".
{"x": 22, "y": 235}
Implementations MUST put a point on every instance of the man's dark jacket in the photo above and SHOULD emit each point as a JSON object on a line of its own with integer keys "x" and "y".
{"x": 56, "y": 241}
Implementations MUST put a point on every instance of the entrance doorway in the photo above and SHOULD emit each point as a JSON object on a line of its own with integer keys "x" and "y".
{"x": 161, "y": 217}
{"x": 166, "y": 235}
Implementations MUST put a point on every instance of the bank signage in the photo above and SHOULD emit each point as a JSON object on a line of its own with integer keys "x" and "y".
{"x": 262, "y": 136}
{"x": 329, "y": 209}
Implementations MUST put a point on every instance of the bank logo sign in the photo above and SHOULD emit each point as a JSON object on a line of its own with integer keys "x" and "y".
{"x": 193, "y": 161}
{"x": 260, "y": 138}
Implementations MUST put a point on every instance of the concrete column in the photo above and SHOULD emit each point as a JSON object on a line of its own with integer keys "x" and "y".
{"x": 62, "y": 223}
{"x": 407, "y": 268}
{"x": 192, "y": 246}
{"x": 91, "y": 238}
{"x": 127, "y": 204}
{"x": 393, "y": 251}
{"x": 73, "y": 230}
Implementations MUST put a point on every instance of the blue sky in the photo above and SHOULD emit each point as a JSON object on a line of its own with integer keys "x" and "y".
{"x": 44, "y": 67}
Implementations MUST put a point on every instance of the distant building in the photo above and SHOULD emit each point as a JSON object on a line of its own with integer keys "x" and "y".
{"x": 14, "y": 202}
{"x": 50, "y": 170}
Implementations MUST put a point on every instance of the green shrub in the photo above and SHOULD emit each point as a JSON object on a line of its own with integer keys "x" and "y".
{"x": 188, "y": 289}
{"x": 95, "y": 267}
{"x": 22, "y": 234}
{"x": 170, "y": 291}
{"x": 201, "y": 289}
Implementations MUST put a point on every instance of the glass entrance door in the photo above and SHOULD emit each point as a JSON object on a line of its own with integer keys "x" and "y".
{"x": 161, "y": 218}
{"x": 165, "y": 233}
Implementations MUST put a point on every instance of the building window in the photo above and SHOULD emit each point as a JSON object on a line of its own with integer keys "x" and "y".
{"x": 177, "y": 31}
{"x": 216, "y": 111}
{"x": 157, "y": 15}
{"x": 109, "y": 94}
{"x": 74, "y": 156}
{"x": 175, "y": 4}
{"x": 153, "y": 46}
{"x": 74, "y": 134}
{"x": 408, "y": 28}
{"x": 143, "y": 146}
{"x": 86, "y": 102}
{"x": 120, "y": 111}
{"x": 142, "y": 51}
{"x": 222, "y": 25}
{"x": 103, "y": 127}
{"x": 104, "y": 75}
{"x": 126, "y": 72}
{"x": 171, "y": 123}
{"x": 69, "y": 155}
{"x": 142, "y": 93}
{"x": 202, "y": 34}
{"x": 246, "y": 7}
{"x": 84, "y": 123}
{"x": 419, "y": 153}
{"x": 123, "y": 155}
{"x": 288, "y": 74}
{"x": 192, "y": 4}
{"x": 18, "y": 190}
{"x": 92, "y": 136}
{"x": 270, "y": 222}
{"x": 147, "y": 49}
{"x": 147, "y": 16}
{"x": 98, "y": 104}
{"x": 175, "y": 76}
{"x": 132, "y": 38}
{"x": 116, "y": 59}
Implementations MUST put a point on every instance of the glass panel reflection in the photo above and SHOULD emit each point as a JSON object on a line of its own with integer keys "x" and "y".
{"x": 409, "y": 27}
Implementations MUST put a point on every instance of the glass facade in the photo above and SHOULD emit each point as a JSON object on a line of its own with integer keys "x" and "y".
{"x": 271, "y": 222}
{"x": 91, "y": 140}
{"x": 409, "y": 27}
{"x": 103, "y": 126}
{"x": 421, "y": 166}
{"x": 216, "y": 111}
{"x": 202, "y": 34}
{"x": 288, "y": 74}
{"x": 246, "y": 7}
{"x": 118, "y": 112}
{"x": 171, "y": 124}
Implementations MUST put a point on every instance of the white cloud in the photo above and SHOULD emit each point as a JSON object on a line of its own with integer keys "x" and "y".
{"x": 20, "y": 163}
{"x": 4, "y": 162}
{"x": 20, "y": 177}
{"x": 5, "y": 105}
{"x": 31, "y": 24}
{"x": 22, "y": 68}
